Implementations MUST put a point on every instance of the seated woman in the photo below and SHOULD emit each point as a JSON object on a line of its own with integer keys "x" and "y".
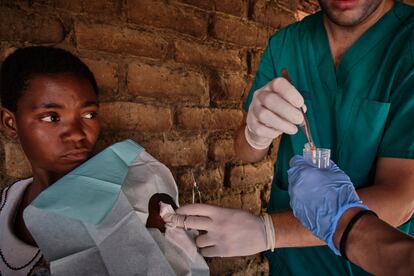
{"x": 49, "y": 105}
{"x": 86, "y": 215}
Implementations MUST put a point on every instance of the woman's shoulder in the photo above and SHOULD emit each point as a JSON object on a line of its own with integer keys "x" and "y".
{"x": 23, "y": 259}
{"x": 13, "y": 192}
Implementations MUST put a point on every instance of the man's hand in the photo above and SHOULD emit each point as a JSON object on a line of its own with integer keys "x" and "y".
{"x": 274, "y": 110}
{"x": 319, "y": 197}
{"x": 227, "y": 232}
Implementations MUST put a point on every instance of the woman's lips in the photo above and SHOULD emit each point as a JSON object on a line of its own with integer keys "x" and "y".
{"x": 77, "y": 155}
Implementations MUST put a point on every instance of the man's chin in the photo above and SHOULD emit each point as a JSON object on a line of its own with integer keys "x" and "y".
{"x": 350, "y": 16}
{"x": 346, "y": 19}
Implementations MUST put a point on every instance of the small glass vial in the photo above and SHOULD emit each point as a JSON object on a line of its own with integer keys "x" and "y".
{"x": 319, "y": 157}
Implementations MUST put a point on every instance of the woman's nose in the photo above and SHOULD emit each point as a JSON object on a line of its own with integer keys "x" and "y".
{"x": 74, "y": 131}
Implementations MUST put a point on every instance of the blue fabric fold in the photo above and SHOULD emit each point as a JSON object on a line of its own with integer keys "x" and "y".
{"x": 89, "y": 192}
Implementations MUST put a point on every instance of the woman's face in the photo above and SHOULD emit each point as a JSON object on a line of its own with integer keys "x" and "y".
{"x": 56, "y": 122}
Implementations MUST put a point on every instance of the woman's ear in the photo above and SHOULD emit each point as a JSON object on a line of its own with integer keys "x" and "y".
{"x": 8, "y": 122}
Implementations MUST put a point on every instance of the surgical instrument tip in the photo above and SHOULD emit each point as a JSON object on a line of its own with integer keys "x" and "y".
{"x": 305, "y": 124}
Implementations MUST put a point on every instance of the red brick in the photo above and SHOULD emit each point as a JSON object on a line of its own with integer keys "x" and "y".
{"x": 192, "y": 53}
{"x": 223, "y": 150}
{"x": 291, "y": 5}
{"x": 270, "y": 14}
{"x": 209, "y": 180}
{"x": 160, "y": 14}
{"x": 203, "y": 4}
{"x": 251, "y": 202}
{"x": 101, "y": 7}
{"x": 186, "y": 152}
{"x": 234, "y": 7}
{"x": 227, "y": 266}
{"x": 20, "y": 26}
{"x": 98, "y": 8}
{"x": 215, "y": 202}
{"x": 164, "y": 81}
{"x": 249, "y": 175}
{"x": 255, "y": 60}
{"x": 274, "y": 148}
{"x": 308, "y": 7}
{"x": 241, "y": 32}
{"x": 256, "y": 269}
{"x": 16, "y": 163}
{"x": 229, "y": 88}
{"x": 266, "y": 196}
{"x": 187, "y": 198}
{"x": 120, "y": 40}
{"x": 231, "y": 201}
{"x": 73, "y": 5}
{"x": 134, "y": 116}
{"x": 211, "y": 119}
{"x": 106, "y": 73}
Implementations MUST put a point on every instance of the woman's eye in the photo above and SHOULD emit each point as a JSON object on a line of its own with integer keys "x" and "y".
{"x": 90, "y": 115}
{"x": 50, "y": 118}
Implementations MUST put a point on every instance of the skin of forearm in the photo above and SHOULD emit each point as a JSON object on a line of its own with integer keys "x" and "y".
{"x": 289, "y": 232}
{"x": 371, "y": 241}
{"x": 394, "y": 206}
{"x": 244, "y": 151}
{"x": 389, "y": 206}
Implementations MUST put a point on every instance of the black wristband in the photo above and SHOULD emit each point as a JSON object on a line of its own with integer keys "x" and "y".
{"x": 348, "y": 229}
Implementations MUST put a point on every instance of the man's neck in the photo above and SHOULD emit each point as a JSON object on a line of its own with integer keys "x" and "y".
{"x": 342, "y": 38}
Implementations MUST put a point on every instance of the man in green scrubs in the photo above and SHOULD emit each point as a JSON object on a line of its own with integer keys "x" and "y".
{"x": 352, "y": 65}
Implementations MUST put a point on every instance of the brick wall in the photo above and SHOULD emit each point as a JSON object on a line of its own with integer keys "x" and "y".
{"x": 173, "y": 76}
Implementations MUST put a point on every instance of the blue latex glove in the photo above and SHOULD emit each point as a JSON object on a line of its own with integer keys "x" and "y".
{"x": 319, "y": 197}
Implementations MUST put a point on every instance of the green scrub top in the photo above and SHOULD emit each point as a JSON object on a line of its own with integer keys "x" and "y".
{"x": 361, "y": 110}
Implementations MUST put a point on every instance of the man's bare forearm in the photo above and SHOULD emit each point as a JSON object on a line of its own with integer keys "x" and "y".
{"x": 391, "y": 197}
{"x": 376, "y": 246}
{"x": 291, "y": 233}
{"x": 390, "y": 205}
{"x": 243, "y": 150}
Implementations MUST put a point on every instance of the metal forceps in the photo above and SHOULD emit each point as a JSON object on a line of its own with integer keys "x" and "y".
{"x": 195, "y": 190}
{"x": 305, "y": 125}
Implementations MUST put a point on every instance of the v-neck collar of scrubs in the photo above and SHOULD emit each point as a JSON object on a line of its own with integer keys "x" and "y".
{"x": 336, "y": 78}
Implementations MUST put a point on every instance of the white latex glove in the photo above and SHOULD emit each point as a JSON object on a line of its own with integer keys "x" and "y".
{"x": 229, "y": 232}
{"x": 274, "y": 110}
